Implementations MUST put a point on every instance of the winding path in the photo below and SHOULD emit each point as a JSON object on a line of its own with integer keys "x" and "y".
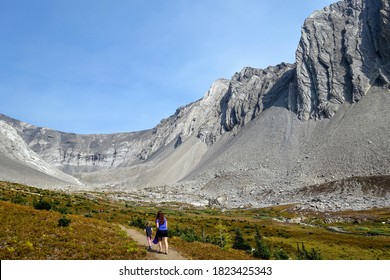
{"x": 140, "y": 238}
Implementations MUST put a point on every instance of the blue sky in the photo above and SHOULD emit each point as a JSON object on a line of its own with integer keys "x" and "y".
{"x": 104, "y": 66}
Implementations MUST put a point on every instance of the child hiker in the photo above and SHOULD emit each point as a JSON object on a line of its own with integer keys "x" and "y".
{"x": 148, "y": 230}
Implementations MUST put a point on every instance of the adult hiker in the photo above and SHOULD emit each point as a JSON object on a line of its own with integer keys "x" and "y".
{"x": 162, "y": 231}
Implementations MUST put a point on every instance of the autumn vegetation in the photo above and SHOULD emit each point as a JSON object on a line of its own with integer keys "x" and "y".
{"x": 43, "y": 224}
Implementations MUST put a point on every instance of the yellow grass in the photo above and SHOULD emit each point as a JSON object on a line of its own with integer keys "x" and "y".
{"x": 26, "y": 233}
{"x": 206, "y": 251}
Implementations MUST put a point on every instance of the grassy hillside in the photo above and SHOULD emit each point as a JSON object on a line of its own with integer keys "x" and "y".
{"x": 280, "y": 232}
{"x": 27, "y": 233}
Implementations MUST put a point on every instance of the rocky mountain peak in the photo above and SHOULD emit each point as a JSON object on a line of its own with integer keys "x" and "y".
{"x": 343, "y": 51}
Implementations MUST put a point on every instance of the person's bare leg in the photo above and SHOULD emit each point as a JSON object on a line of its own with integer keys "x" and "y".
{"x": 166, "y": 244}
{"x": 159, "y": 245}
{"x": 149, "y": 243}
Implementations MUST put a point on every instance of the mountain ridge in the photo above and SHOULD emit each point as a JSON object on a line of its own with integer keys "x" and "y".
{"x": 259, "y": 137}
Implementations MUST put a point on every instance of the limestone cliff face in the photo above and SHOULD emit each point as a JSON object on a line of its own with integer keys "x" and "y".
{"x": 15, "y": 152}
{"x": 252, "y": 91}
{"x": 383, "y": 41}
{"x": 343, "y": 51}
{"x": 227, "y": 106}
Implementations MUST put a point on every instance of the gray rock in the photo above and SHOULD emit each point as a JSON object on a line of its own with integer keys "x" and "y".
{"x": 343, "y": 51}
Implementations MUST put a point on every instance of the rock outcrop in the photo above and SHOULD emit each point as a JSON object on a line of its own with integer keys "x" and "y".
{"x": 19, "y": 161}
{"x": 343, "y": 51}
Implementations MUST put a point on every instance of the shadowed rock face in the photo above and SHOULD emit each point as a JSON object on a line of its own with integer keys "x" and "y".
{"x": 254, "y": 139}
{"x": 343, "y": 51}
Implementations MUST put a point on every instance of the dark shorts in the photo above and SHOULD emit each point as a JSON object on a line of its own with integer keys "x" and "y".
{"x": 162, "y": 233}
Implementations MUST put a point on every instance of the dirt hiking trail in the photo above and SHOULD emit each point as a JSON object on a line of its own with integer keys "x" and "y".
{"x": 140, "y": 238}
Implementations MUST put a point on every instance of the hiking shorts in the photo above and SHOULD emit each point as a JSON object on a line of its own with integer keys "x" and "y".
{"x": 162, "y": 233}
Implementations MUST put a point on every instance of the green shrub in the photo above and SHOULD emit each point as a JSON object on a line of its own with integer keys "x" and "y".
{"x": 281, "y": 255}
{"x": 187, "y": 234}
{"x": 224, "y": 240}
{"x": 18, "y": 199}
{"x": 303, "y": 254}
{"x": 64, "y": 221}
{"x": 261, "y": 251}
{"x": 42, "y": 205}
{"x": 138, "y": 222}
{"x": 239, "y": 242}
